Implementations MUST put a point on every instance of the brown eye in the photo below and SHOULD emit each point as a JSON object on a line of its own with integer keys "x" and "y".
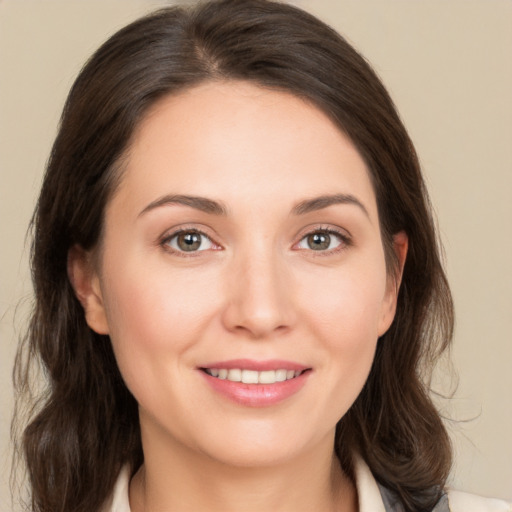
{"x": 189, "y": 241}
{"x": 321, "y": 241}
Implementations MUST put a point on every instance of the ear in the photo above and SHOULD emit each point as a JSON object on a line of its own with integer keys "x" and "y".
{"x": 86, "y": 283}
{"x": 400, "y": 246}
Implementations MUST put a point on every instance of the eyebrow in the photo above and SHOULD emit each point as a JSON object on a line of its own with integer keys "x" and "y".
{"x": 199, "y": 203}
{"x": 321, "y": 202}
{"x": 216, "y": 208}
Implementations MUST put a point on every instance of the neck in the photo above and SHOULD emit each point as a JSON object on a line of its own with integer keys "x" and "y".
{"x": 176, "y": 478}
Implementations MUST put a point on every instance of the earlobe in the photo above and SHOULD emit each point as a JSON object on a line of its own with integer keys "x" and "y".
{"x": 85, "y": 281}
{"x": 400, "y": 246}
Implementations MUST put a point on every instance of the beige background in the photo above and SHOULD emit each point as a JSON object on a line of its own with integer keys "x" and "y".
{"x": 448, "y": 65}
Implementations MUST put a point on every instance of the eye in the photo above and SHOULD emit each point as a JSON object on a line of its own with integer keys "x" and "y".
{"x": 189, "y": 241}
{"x": 322, "y": 240}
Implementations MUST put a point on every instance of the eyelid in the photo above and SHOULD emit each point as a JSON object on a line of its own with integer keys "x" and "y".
{"x": 164, "y": 240}
{"x": 342, "y": 234}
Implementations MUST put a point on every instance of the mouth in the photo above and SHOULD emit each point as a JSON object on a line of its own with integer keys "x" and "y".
{"x": 253, "y": 376}
{"x": 252, "y": 383}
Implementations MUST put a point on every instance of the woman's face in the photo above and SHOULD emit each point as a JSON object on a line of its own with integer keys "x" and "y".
{"x": 243, "y": 242}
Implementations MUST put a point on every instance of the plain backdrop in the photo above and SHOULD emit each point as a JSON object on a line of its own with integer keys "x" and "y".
{"x": 448, "y": 66}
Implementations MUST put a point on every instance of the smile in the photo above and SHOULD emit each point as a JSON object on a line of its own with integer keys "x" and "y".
{"x": 251, "y": 383}
{"x": 253, "y": 376}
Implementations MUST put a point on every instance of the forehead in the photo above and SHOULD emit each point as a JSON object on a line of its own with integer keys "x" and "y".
{"x": 236, "y": 139}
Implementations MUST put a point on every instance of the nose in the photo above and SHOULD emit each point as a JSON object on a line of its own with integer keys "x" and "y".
{"x": 259, "y": 297}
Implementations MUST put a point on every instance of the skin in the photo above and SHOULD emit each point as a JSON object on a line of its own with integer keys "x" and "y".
{"x": 256, "y": 291}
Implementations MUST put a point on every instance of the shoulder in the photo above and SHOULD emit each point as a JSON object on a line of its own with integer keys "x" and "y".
{"x": 465, "y": 502}
{"x": 376, "y": 498}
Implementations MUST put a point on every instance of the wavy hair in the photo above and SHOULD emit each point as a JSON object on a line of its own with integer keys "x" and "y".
{"x": 84, "y": 426}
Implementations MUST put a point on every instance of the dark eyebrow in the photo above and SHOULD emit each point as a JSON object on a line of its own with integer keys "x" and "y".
{"x": 199, "y": 203}
{"x": 318, "y": 203}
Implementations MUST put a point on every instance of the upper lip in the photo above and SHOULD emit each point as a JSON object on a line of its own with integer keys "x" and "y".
{"x": 260, "y": 366}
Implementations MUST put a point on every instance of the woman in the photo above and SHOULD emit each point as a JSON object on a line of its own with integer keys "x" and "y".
{"x": 238, "y": 289}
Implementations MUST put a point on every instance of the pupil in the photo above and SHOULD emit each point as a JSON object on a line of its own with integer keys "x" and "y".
{"x": 319, "y": 241}
{"x": 189, "y": 241}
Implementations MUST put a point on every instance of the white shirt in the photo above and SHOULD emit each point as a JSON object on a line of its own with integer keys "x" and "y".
{"x": 369, "y": 496}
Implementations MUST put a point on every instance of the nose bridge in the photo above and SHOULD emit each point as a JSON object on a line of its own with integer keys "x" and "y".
{"x": 259, "y": 300}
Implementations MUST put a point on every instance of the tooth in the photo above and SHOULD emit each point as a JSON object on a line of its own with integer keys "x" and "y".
{"x": 252, "y": 376}
{"x": 280, "y": 375}
{"x": 235, "y": 375}
{"x": 249, "y": 377}
{"x": 267, "y": 377}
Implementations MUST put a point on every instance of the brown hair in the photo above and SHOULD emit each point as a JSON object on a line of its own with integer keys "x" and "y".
{"x": 84, "y": 427}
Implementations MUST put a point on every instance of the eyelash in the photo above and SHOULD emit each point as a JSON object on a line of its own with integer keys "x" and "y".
{"x": 345, "y": 241}
{"x": 344, "y": 238}
{"x": 165, "y": 242}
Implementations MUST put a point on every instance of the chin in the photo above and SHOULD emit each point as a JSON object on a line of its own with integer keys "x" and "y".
{"x": 262, "y": 445}
{"x": 252, "y": 457}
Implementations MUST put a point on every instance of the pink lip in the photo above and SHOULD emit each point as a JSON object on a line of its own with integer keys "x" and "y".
{"x": 257, "y": 395}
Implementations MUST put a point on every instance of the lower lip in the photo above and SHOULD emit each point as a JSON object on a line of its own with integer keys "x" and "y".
{"x": 257, "y": 395}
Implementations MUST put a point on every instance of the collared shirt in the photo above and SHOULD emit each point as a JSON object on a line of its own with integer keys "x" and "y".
{"x": 371, "y": 496}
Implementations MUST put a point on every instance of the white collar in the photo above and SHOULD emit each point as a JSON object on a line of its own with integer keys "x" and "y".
{"x": 368, "y": 493}
{"x": 119, "y": 501}
{"x": 370, "y": 499}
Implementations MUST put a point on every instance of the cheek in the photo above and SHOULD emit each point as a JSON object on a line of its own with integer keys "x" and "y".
{"x": 351, "y": 330}
{"x": 346, "y": 304}
{"x": 155, "y": 316}
{"x": 344, "y": 313}
{"x": 151, "y": 301}
{"x": 356, "y": 326}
